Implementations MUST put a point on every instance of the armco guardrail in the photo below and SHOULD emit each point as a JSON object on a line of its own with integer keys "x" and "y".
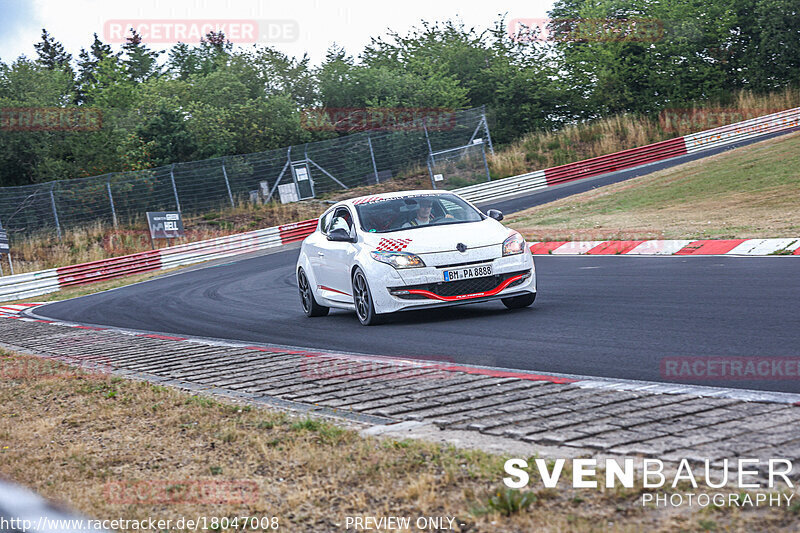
{"x": 688, "y": 144}
{"x": 46, "y": 281}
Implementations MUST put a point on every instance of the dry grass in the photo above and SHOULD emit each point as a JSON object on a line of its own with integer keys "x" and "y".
{"x": 750, "y": 192}
{"x": 74, "y": 439}
{"x": 608, "y": 135}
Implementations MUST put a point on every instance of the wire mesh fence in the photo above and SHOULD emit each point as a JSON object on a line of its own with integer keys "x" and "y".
{"x": 312, "y": 169}
{"x": 459, "y": 167}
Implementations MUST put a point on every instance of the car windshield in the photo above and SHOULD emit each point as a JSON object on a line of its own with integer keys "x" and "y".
{"x": 384, "y": 215}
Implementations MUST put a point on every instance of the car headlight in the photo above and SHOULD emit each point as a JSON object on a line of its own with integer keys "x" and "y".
{"x": 513, "y": 245}
{"x": 398, "y": 259}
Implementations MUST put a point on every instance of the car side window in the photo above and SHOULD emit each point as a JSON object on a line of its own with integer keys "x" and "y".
{"x": 325, "y": 222}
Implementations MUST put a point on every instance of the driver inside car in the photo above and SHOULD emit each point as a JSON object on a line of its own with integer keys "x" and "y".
{"x": 424, "y": 214}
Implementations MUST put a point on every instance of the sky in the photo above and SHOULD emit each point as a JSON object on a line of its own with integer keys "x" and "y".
{"x": 294, "y": 27}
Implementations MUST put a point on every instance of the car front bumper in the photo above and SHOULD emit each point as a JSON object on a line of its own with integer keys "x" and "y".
{"x": 421, "y": 288}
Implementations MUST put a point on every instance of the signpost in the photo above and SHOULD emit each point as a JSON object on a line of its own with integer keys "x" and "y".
{"x": 5, "y": 248}
{"x": 164, "y": 225}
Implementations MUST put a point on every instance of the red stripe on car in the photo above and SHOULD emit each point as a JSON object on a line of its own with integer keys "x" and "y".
{"x": 499, "y": 288}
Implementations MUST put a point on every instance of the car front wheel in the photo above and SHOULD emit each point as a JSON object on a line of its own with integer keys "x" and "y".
{"x": 518, "y": 302}
{"x": 310, "y": 305}
{"x": 362, "y": 298}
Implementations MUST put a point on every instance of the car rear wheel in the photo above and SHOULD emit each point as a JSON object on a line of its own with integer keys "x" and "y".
{"x": 310, "y": 305}
{"x": 518, "y": 302}
{"x": 362, "y": 298}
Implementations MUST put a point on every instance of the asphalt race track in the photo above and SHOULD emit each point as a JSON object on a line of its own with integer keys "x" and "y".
{"x": 611, "y": 316}
{"x": 608, "y": 316}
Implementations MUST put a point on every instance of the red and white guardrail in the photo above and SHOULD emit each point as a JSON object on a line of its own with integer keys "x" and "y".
{"x": 671, "y": 247}
{"x": 46, "y": 281}
{"x": 634, "y": 157}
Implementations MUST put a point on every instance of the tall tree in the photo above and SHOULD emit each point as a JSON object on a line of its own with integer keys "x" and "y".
{"x": 140, "y": 62}
{"x": 87, "y": 67}
{"x": 52, "y": 54}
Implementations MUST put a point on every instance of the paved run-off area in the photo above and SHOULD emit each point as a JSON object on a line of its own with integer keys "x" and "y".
{"x": 561, "y": 416}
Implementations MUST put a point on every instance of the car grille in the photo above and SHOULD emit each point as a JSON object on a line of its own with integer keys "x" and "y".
{"x": 458, "y": 288}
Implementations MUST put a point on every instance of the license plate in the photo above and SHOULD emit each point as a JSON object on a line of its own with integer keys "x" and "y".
{"x": 477, "y": 271}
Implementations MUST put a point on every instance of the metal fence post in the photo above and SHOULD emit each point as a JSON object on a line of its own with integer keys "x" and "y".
{"x": 111, "y": 199}
{"x": 280, "y": 176}
{"x": 174, "y": 188}
{"x": 55, "y": 212}
{"x": 430, "y": 150}
{"x": 485, "y": 164}
{"x": 488, "y": 136}
{"x": 227, "y": 183}
{"x": 372, "y": 156}
{"x": 430, "y": 170}
{"x": 10, "y": 264}
{"x": 310, "y": 177}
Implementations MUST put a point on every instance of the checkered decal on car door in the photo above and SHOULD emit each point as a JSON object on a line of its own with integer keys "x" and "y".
{"x": 393, "y": 245}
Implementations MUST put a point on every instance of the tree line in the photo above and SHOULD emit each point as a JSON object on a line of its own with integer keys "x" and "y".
{"x": 193, "y": 102}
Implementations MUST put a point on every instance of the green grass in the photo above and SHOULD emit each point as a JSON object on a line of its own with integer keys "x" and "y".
{"x": 749, "y": 192}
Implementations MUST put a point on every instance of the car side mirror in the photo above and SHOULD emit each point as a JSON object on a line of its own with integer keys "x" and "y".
{"x": 495, "y": 214}
{"x": 340, "y": 235}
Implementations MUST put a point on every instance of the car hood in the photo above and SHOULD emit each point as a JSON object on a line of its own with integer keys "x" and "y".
{"x": 443, "y": 238}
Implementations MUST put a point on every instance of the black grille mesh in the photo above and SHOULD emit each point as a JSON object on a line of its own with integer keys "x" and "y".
{"x": 466, "y": 286}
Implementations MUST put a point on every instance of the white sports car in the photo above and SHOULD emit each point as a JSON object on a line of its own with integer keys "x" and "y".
{"x": 411, "y": 250}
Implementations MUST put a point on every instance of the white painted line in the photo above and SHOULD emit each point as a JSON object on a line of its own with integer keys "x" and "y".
{"x": 765, "y": 246}
{"x": 576, "y": 247}
{"x": 658, "y": 247}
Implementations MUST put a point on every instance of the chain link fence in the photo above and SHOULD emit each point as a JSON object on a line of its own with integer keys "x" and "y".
{"x": 288, "y": 174}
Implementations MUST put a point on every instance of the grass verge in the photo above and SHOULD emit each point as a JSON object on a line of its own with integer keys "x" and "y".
{"x": 113, "y": 448}
{"x": 749, "y": 192}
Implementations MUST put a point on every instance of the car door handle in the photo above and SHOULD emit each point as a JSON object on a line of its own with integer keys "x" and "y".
{"x": 320, "y": 254}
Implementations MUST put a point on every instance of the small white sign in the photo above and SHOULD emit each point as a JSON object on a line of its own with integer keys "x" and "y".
{"x": 438, "y": 177}
{"x": 301, "y": 173}
{"x": 288, "y": 193}
{"x": 477, "y": 141}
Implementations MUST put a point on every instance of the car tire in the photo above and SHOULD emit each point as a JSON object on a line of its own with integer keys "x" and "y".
{"x": 310, "y": 305}
{"x": 362, "y": 298}
{"x": 518, "y": 302}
